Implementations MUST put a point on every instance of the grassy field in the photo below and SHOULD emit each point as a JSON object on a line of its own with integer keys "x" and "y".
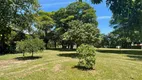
{"x": 111, "y": 64}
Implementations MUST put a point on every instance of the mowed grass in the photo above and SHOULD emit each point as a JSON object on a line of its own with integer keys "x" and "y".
{"x": 111, "y": 64}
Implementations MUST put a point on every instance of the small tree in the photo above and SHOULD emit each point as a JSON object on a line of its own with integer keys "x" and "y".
{"x": 30, "y": 46}
{"x": 20, "y": 47}
{"x": 86, "y": 57}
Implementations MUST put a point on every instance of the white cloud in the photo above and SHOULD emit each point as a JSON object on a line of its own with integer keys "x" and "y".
{"x": 54, "y": 4}
{"x": 103, "y": 17}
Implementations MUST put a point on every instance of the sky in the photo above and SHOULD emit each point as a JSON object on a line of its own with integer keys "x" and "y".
{"x": 102, "y": 12}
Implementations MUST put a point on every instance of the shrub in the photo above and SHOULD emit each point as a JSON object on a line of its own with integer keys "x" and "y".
{"x": 30, "y": 46}
{"x": 86, "y": 56}
{"x": 20, "y": 47}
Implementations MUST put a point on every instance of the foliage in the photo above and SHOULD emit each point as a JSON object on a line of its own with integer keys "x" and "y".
{"x": 126, "y": 16}
{"x": 44, "y": 23}
{"x": 123, "y": 31}
{"x": 123, "y": 37}
{"x": 127, "y": 19}
{"x": 101, "y": 41}
{"x": 44, "y": 20}
{"x": 30, "y": 46}
{"x": 82, "y": 33}
{"x": 80, "y": 12}
{"x": 93, "y": 1}
{"x": 75, "y": 11}
{"x": 21, "y": 47}
{"x": 54, "y": 37}
{"x": 87, "y": 55}
{"x": 15, "y": 14}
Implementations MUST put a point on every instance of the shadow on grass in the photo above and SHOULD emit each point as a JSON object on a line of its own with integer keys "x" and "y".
{"x": 72, "y": 55}
{"x": 28, "y": 58}
{"x": 2, "y": 54}
{"x": 82, "y": 68}
{"x": 135, "y": 57}
{"x": 60, "y": 49}
{"x": 134, "y": 52}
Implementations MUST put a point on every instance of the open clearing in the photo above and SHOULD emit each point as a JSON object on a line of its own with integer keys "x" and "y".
{"x": 60, "y": 65}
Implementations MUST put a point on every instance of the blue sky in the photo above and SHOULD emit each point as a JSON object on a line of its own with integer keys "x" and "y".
{"x": 102, "y": 12}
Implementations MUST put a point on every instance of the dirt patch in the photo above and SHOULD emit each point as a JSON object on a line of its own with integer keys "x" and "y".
{"x": 92, "y": 71}
{"x": 7, "y": 63}
{"x": 34, "y": 68}
{"x": 57, "y": 68}
{"x": 32, "y": 71}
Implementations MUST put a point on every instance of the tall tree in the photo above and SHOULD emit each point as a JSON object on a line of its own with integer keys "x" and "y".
{"x": 45, "y": 23}
{"x": 75, "y": 11}
{"x": 82, "y": 33}
{"x": 127, "y": 14}
{"x": 17, "y": 13}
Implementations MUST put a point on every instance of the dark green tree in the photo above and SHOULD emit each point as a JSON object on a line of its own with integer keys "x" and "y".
{"x": 126, "y": 13}
{"x": 82, "y": 33}
{"x": 75, "y": 11}
{"x": 17, "y": 13}
{"x": 45, "y": 23}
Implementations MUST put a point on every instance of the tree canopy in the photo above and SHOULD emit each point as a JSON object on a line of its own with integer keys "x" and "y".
{"x": 82, "y": 33}
{"x": 18, "y": 19}
{"x": 30, "y": 46}
{"x": 126, "y": 20}
{"x": 75, "y": 11}
{"x": 126, "y": 13}
{"x": 45, "y": 23}
{"x": 14, "y": 14}
{"x": 81, "y": 13}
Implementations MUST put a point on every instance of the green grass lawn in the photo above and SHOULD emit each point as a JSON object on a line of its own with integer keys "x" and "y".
{"x": 111, "y": 64}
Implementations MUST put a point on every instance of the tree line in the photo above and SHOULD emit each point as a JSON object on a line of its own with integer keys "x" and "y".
{"x": 75, "y": 24}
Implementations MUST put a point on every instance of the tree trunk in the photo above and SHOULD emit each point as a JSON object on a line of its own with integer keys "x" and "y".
{"x": 71, "y": 46}
{"x": 68, "y": 46}
{"x": 3, "y": 44}
{"x": 23, "y": 54}
{"x": 55, "y": 44}
{"x": 64, "y": 46}
{"x": 46, "y": 45}
{"x": 32, "y": 54}
{"x": 46, "y": 39}
{"x": 78, "y": 45}
{"x": 141, "y": 37}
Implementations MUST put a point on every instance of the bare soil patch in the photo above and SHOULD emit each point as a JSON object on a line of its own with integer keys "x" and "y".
{"x": 57, "y": 68}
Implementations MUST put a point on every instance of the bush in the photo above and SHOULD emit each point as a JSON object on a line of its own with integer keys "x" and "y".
{"x": 86, "y": 56}
{"x": 30, "y": 46}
